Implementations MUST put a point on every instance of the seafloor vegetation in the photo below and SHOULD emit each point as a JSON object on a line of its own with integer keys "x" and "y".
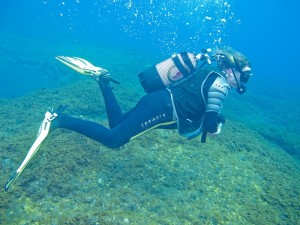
{"x": 239, "y": 177}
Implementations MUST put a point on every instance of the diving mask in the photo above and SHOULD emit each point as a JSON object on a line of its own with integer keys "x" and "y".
{"x": 244, "y": 77}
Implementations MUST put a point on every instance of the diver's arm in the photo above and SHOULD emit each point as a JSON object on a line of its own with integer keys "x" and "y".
{"x": 213, "y": 120}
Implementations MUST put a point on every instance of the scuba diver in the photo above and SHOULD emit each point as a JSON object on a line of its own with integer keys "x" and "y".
{"x": 181, "y": 94}
{"x": 192, "y": 104}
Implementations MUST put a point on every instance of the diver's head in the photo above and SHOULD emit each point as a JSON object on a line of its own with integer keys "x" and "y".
{"x": 237, "y": 67}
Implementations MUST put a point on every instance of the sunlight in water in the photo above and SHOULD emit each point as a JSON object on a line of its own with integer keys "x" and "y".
{"x": 171, "y": 24}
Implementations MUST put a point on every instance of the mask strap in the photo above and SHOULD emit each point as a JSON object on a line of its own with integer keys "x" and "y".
{"x": 241, "y": 88}
{"x": 236, "y": 80}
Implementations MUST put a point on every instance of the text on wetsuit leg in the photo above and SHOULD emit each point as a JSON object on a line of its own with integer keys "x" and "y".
{"x": 153, "y": 120}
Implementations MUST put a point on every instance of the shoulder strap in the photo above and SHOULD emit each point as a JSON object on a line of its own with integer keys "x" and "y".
{"x": 187, "y": 61}
{"x": 180, "y": 67}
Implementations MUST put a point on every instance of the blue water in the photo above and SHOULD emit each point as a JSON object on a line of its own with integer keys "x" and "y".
{"x": 266, "y": 32}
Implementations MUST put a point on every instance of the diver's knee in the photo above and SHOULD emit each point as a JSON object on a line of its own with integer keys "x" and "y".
{"x": 114, "y": 146}
{"x": 115, "y": 143}
{"x": 115, "y": 139}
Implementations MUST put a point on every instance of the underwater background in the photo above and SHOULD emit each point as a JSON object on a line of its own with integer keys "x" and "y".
{"x": 249, "y": 174}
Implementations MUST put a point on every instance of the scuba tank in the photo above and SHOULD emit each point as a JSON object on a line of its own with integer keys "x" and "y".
{"x": 163, "y": 74}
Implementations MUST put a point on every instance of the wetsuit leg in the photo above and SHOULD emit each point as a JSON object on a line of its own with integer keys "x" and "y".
{"x": 113, "y": 109}
{"x": 152, "y": 111}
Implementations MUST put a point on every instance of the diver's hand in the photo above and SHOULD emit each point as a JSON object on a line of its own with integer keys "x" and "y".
{"x": 220, "y": 119}
{"x": 220, "y": 122}
{"x": 212, "y": 128}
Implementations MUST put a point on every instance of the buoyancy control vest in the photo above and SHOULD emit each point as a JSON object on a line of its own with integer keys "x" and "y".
{"x": 189, "y": 85}
{"x": 161, "y": 75}
{"x": 190, "y": 99}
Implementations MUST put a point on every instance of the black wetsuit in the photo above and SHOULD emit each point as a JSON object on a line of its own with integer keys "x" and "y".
{"x": 152, "y": 111}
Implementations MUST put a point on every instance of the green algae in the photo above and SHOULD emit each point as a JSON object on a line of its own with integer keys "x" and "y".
{"x": 272, "y": 113}
{"x": 238, "y": 177}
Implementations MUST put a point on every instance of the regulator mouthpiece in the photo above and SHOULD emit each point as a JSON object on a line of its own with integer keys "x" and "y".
{"x": 242, "y": 88}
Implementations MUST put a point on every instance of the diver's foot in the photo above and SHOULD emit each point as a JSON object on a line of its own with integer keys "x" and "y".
{"x": 103, "y": 77}
{"x": 51, "y": 120}
{"x": 101, "y": 74}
